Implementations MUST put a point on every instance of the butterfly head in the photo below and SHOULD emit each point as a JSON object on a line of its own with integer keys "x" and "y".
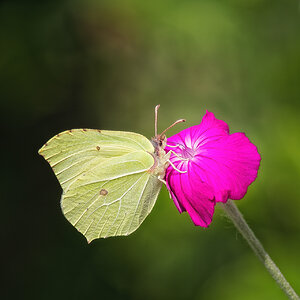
{"x": 159, "y": 142}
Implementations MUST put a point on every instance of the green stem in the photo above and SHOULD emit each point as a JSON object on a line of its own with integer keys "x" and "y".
{"x": 238, "y": 220}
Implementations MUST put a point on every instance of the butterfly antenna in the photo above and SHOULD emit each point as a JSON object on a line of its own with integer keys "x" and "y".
{"x": 155, "y": 122}
{"x": 178, "y": 121}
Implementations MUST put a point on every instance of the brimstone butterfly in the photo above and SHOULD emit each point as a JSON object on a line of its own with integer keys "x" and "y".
{"x": 110, "y": 179}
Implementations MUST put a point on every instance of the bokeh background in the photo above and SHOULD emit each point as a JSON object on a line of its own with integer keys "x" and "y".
{"x": 106, "y": 64}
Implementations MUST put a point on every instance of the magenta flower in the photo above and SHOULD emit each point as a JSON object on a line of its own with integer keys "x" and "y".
{"x": 218, "y": 166}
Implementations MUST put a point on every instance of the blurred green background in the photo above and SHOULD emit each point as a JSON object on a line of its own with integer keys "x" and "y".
{"x": 106, "y": 64}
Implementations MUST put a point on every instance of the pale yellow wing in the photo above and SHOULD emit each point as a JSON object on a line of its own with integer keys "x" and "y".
{"x": 107, "y": 180}
{"x": 72, "y": 152}
{"x": 114, "y": 199}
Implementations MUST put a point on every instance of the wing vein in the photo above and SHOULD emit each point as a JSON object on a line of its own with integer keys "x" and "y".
{"x": 120, "y": 204}
{"x": 73, "y": 154}
{"x": 113, "y": 178}
{"x": 118, "y": 229}
{"x": 111, "y": 203}
{"x": 83, "y": 203}
{"x": 100, "y": 220}
{"x": 72, "y": 165}
{"x": 138, "y": 204}
{"x": 118, "y": 199}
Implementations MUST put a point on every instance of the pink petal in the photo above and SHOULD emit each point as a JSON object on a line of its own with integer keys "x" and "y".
{"x": 191, "y": 195}
{"x": 192, "y": 137}
{"x": 209, "y": 128}
{"x": 229, "y": 165}
{"x": 219, "y": 165}
{"x": 173, "y": 181}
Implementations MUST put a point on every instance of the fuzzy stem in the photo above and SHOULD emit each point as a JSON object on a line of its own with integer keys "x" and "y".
{"x": 238, "y": 220}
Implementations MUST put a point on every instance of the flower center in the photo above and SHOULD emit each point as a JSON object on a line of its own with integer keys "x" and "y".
{"x": 188, "y": 153}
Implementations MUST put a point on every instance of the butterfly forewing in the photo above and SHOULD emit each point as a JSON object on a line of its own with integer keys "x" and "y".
{"x": 72, "y": 152}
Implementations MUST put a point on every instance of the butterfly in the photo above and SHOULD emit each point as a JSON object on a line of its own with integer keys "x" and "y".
{"x": 110, "y": 179}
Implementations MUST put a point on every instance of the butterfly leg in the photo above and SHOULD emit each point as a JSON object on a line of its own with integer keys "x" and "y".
{"x": 174, "y": 146}
{"x": 162, "y": 180}
{"x": 182, "y": 172}
{"x": 180, "y": 157}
